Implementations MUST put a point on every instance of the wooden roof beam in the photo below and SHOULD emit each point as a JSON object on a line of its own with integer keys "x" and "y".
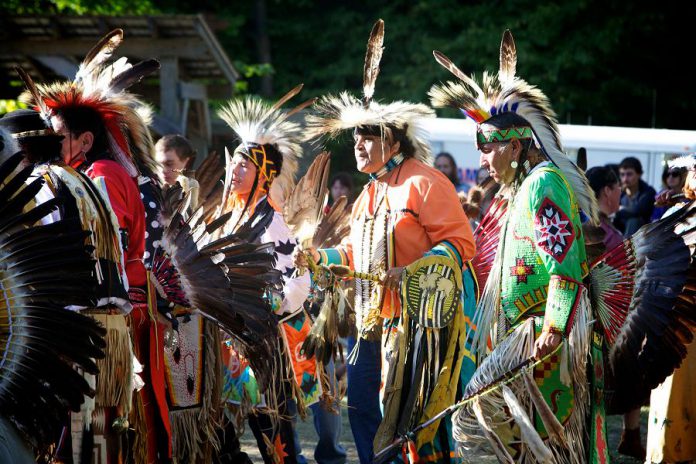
{"x": 186, "y": 48}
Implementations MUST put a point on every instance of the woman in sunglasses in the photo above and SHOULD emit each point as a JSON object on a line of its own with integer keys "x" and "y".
{"x": 673, "y": 179}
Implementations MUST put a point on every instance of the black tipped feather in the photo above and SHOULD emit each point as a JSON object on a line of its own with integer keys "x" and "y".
{"x": 643, "y": 298}
{"x": 227, "y": 280}
{"x": 43, "y": 270}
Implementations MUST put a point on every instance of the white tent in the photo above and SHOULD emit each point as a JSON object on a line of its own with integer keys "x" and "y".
{"x": 604, "y": 144}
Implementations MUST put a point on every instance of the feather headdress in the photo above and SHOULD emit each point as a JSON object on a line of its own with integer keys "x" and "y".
{"x": 268, "y": 138}
{"x": 103, "y": 88}
{"x": 504, "y": 92}
{"x": 337, "y": 113}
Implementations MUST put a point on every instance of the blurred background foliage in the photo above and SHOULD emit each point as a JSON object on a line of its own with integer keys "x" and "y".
{"x": 602, "y": 62}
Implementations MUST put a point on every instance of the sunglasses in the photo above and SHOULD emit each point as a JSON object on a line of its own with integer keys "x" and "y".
{"x": 674, "y": 173}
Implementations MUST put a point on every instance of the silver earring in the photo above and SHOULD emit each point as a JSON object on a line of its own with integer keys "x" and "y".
{"x": 514, "y": 164}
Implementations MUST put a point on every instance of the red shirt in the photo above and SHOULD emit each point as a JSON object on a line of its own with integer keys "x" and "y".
{"x": 124, "y": 197}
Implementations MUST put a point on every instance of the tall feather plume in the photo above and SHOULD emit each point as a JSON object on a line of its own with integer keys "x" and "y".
{"x": 508, "y": 58}
{"x": 99, "y": 54}
{"x": 337, "y": 113}
{"x": 287, "y": 97}
{"x": 302, "y": 106}
{"x": 35, "y": 95}
{"x": 373, "y": 56}
{"x": 449, "y": 65}
{"x": 133, "y": 75}
{"x": 103, "y": 88}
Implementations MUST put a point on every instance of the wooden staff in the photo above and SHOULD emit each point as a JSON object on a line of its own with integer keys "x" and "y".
{"x": 504, "y": 379}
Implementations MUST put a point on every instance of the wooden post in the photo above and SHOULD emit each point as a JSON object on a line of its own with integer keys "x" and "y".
{"x": 169, "y": 89}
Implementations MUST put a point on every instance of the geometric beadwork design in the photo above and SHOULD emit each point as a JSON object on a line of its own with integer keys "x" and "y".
{"x": 257, "y": 154}
{"x": 553, "y": 230}
{"x": 521, "y": 270}
{"x": 503, "y": 135}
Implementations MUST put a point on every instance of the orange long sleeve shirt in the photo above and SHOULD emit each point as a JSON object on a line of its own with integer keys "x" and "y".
{"x": 424, "y": 209}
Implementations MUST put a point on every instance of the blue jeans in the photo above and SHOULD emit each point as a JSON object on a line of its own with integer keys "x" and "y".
{"x": 328, "y": 428}
{"x": 364, "y": 411}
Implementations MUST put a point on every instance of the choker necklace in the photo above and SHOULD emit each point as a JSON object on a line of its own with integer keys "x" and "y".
{"x": 391, "y": 164}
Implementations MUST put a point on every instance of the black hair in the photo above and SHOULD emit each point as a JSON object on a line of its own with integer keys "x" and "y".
{"x": 397, "y": 135}
{"x": 344, "y": 179}
{"x": 509, "y": 120}
{"x": 181, "y": 146}
{"x": 667, "y": 170}
{"x": 453, "y": 177}
{"x": 41, "y": 149}
{"x": 600, "y": 177}
{"x": 81, "y": 119}
{"x": 631, "y": 163}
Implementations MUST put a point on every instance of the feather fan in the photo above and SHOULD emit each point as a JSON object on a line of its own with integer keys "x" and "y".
{"x": 45, "y": 268}
{"x": 304, "y": 208}
{"x": 227, "y": 280}
{"x": 644, "y": 299}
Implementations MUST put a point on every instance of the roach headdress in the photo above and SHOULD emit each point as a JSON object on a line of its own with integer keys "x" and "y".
{"x": 103, "y": 88}
{"x": 502, "y": 93}
{"x": 337, "y": 113}
{"x": 268, "y": 138}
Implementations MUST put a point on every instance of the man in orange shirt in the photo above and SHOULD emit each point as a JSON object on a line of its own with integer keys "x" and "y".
{"x": 407, "y": 210}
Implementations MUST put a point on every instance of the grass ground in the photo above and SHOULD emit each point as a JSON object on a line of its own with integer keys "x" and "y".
{"x": 308, "y": 438}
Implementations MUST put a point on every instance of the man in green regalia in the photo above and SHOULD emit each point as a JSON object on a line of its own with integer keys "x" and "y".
{"x": 534, "y": 303}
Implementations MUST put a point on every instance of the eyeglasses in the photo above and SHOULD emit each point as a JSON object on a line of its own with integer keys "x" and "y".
{"x": 674, "y": 173}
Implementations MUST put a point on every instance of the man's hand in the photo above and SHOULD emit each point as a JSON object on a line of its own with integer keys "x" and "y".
{"x": 392, "y": 280}
{"x": 664, "y": 198}
{"x": 299, "y": 257}
{"x": 546, "y": 343}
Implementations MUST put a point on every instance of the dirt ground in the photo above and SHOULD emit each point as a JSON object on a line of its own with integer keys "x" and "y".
{"x": 308, "y": 439}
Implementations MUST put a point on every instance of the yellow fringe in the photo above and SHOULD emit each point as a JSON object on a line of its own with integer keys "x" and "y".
{"x": 115, "y": 379}
{"x": 138, "y": 423}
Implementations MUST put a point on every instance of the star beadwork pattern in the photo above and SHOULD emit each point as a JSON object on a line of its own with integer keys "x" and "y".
{"x": 521, "y": 270}
{"x": 285, "y": 247}
{"x": 279, "y": 446}
{"x": 553, "y": 230}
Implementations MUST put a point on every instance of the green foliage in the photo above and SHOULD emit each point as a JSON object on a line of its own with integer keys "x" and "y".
{"x": 602, "y": 61}
{"x": 10, "y": 105}
{"x": 79, "y": 7}
{"x": 609, "y": 61}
